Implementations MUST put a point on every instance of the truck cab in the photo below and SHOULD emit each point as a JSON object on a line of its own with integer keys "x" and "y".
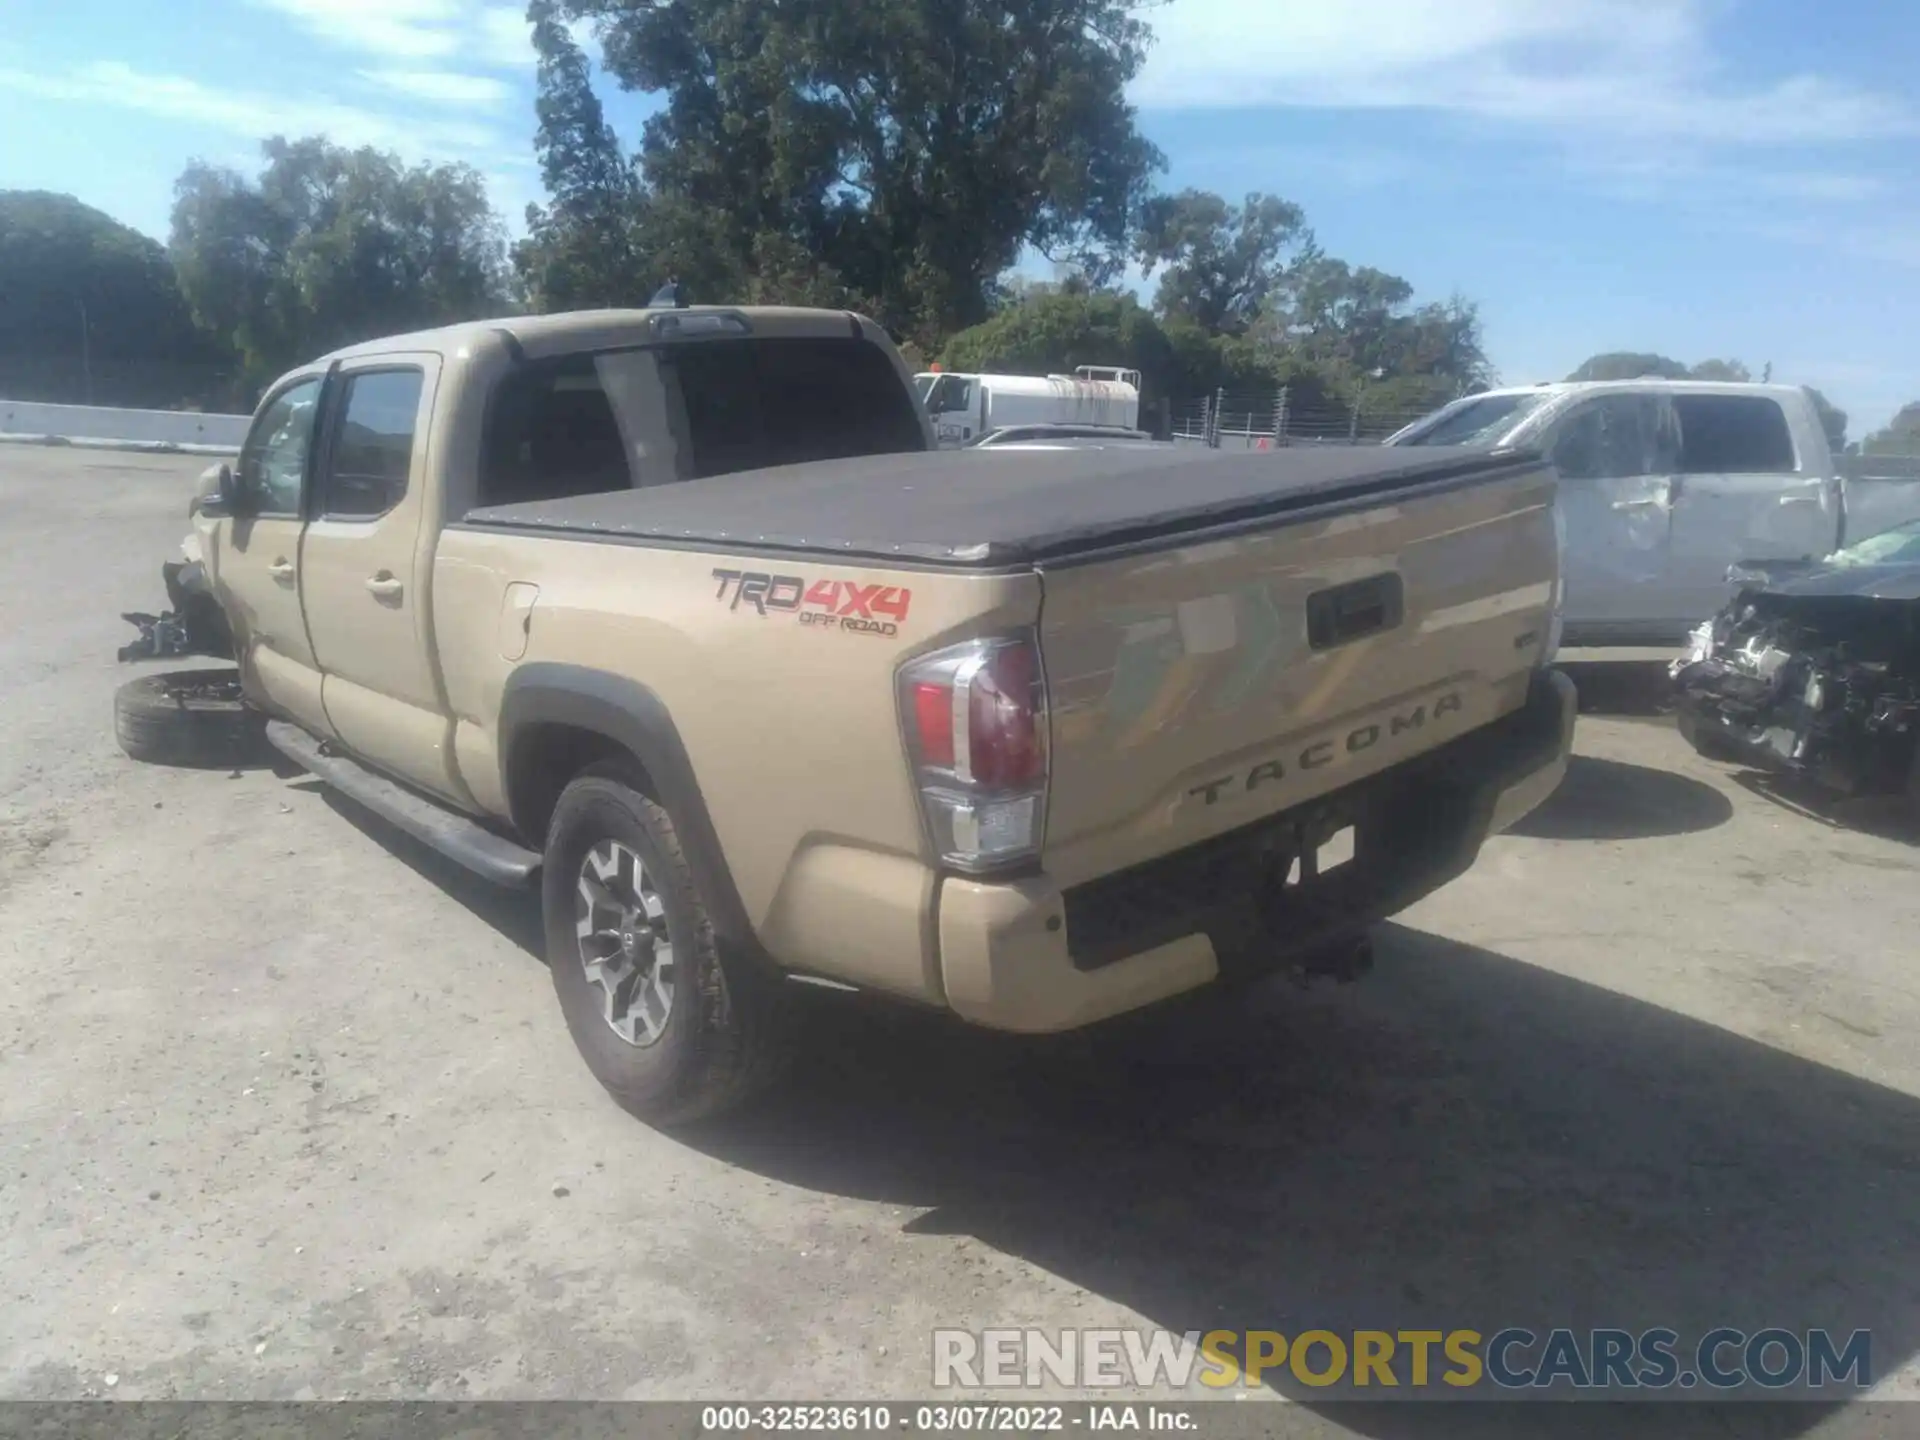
{"x": 1664, "y": 484}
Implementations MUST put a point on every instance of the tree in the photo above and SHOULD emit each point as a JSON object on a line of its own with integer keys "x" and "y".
{"x": 1900, "y": 437}
{"x": 903, "y": 151}
{"x": 90, "y": 311}
{"x": 1220, "y": 263}
{"x": 1629, "y": 365}
{"x": 331, "y": 246}
{"x": 1361, "y": 324}
{"x": 1720, "y": 370}
{"x": 1050, "y": 331}
{"x": 581, "y": 248}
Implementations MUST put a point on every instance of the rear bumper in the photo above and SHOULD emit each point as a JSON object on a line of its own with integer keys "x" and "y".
{"x": 1027, "y": 956}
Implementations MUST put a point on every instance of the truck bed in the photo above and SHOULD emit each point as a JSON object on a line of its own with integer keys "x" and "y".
{"x": 992, "y": 509}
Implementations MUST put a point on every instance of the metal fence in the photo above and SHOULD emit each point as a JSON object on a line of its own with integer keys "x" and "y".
{"x": 1262, "y": 422}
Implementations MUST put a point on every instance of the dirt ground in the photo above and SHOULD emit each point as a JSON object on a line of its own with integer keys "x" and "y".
{"x": 287, "y": 1108}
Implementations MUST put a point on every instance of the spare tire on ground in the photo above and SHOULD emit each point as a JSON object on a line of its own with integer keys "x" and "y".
{"x": 187, "y": 717}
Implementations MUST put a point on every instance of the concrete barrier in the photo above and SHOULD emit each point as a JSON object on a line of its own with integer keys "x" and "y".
{"x": 80, "y": 424}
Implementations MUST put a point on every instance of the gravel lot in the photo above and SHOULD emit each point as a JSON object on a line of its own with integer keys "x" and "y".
{"x": 287, "y": 1108}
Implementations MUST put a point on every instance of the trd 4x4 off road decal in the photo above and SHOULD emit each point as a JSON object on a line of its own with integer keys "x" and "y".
{"x": 831, "y": 604}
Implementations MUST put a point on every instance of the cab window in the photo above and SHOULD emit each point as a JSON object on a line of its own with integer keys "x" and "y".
{"x": 372, "y": 452}
{"x": 951, "y": 395}
{"x": 1734, "y": 435}
{"x": 273, "y": 462}
{"x": 1617, "y": 437}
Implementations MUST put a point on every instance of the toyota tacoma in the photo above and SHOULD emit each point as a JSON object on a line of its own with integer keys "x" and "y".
{"x": 680, "y": 615}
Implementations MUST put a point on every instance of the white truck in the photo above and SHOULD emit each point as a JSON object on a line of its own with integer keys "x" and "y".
{"x": 965, "y": 407}
{"x": 1667, "y": 484}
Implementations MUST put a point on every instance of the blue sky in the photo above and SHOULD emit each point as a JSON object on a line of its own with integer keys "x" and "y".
{"x": 1696, "y": 177}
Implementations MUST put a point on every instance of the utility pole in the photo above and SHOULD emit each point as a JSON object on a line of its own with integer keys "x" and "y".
{"x": 86, "y": 349}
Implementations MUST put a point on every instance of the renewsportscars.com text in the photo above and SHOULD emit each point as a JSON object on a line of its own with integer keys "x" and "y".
{"x": 1511, "y": 1359}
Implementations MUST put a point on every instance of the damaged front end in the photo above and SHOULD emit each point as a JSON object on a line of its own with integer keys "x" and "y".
{"x": 1815, "y": 674}
{"x": 194, "y": 625}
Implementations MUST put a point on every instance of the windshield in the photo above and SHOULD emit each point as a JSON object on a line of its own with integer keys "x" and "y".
{"x": 1898, "y": 546}
{"x": 1478, "y": 422}
{"x": 923, "y": 385}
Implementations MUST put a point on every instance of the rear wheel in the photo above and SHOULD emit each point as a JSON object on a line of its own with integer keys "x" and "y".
{"x": 675, "y": 1033}
{"x": 187, "y": 717}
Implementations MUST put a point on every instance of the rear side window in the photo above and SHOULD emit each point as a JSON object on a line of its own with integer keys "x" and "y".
{"x": 551, "y": 434}
{"x": 1733, "y": 435}
{"x": 372, "y": 451}
{"x": 754, "y": 403}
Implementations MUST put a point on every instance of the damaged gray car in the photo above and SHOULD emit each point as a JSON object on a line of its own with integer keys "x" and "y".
{"x": 1813, "y": 670}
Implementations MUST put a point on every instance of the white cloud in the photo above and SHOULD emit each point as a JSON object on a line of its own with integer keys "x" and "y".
{"x": 1621, "y": 69}
{"x": 252, "y": 114}
{"x": 447, "y": 86}
{"x": 411, "y": 29}
{"x": 504, "y": 37}
{"x": 414, "y": 30}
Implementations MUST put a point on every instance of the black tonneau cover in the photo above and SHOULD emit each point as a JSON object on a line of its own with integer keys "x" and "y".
{"x": 989, "y": 508}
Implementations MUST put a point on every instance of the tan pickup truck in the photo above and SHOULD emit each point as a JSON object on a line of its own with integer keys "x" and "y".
{"x": 680, "y": 612}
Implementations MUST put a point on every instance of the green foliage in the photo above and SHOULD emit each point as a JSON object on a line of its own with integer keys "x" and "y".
{"x": 1900, "y": 437}
{"x": 1263, "y": 305}
{"x": 1628, "y": 365}
{"x": 900, "y": 151}
{"x": 64, "y": 265}
{"x": 1362, "y": 324}
{"x": 1720, "y": 370}
{"x": 1220, "y": 264}
{"x": 332, "y": 246}
{"x": 1053, "y": 332}
{"x": 582, "y": 248}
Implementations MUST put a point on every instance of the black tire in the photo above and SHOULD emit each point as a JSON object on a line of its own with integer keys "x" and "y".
{"x": 187, "y": 717}
{"x": 723, "y": 1035}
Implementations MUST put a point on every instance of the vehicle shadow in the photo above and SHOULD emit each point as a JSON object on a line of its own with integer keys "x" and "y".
{"x": 1464, "y": 1141}
{"x": 1614, "y": 800}
{"x": 514, "y": 913}
{"x": 1639, "y": 689}
{"x": 1887, "y": 817}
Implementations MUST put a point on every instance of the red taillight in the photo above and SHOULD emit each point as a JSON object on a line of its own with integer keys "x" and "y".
{"x": 933, "y": 718}
{"x": 976, "y": 716}
{"x": 1003, "y": 735}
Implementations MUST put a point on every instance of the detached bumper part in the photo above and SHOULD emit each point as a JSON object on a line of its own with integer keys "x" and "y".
{"x": 1025, "y": 955}
{"x": 194, "y": 626}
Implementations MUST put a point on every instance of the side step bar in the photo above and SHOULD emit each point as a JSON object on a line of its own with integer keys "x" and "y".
{"x": 461, "y": 840}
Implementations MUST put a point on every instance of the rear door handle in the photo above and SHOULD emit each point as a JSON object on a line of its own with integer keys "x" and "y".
{"x": 1639, "y": 504}
{"x": 384, "y": 586}
{"x": 281, "y": 570}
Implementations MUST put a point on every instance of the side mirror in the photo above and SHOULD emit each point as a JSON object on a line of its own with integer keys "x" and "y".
{"x": 213, "y": 493}
{"x": 228, "y": 489}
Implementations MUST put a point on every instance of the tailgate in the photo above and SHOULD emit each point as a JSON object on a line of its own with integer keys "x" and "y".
{"x": 1197, "y": 688}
